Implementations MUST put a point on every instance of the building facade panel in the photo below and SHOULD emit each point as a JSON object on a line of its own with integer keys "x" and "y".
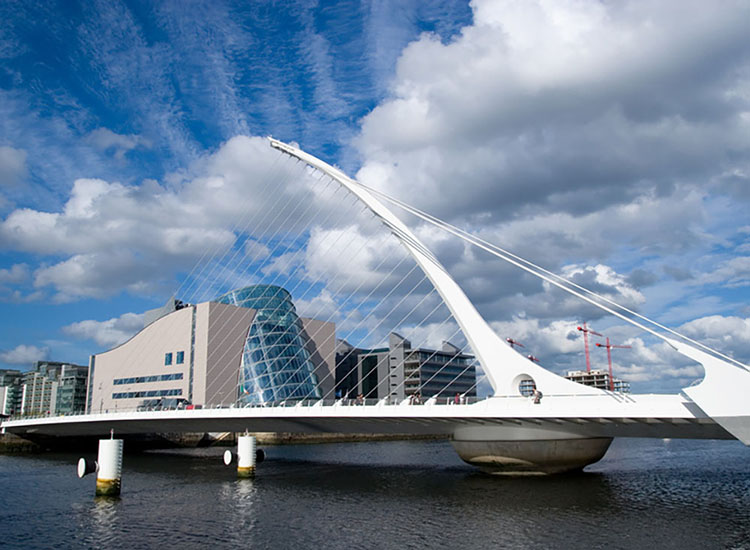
{"x": 320, "y": 341}
{"x": 228, "y": 329}
{"x": 151, "y": 353}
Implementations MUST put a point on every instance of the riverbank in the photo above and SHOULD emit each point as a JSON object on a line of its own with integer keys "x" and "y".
{"x": 284, "y": 438}
{"x": 13, "y": 444}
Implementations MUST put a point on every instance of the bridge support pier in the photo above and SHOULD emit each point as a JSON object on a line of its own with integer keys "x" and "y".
{"x": 248, "y": 456}
{"x": 109, "y": 470}
{"x": 515, "y": 450}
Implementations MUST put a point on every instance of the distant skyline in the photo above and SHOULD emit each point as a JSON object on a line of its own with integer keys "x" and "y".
{"x": 608, "y": 142}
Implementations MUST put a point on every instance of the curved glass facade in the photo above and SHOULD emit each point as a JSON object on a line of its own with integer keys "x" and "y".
{"x": 275, "y": 364}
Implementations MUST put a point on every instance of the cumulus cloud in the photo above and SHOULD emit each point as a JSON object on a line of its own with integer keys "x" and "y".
{"x": 729, "y": 334}
{"x": 16, "y": 274}
{"x": 604, "y": 281}
{"x": 528, "y": 103}
{"x": 137, "y": 237}
{"x": 566, "y": 152}
{"x": 24, "y": 355}
{"x": 109, "y": 333}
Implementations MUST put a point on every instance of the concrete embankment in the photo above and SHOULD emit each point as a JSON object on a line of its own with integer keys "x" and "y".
{"x": 10, "y": 444}
{"x": 283, "y": 438}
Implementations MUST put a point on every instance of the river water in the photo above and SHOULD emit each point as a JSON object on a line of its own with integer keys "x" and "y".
{"x": 643, "y": 494}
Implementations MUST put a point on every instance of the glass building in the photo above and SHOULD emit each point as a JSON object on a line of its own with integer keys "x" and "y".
{"x": 276, "y": 365}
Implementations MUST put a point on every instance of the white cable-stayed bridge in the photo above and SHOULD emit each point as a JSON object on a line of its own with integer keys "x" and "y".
{"x": 568, "y": 427}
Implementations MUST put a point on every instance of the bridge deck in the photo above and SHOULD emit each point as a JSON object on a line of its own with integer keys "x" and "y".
{"x": 615, "y": 415}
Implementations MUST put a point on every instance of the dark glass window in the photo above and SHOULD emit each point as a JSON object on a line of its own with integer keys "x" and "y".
{"x": 180, "y": 357}
{"x": 370, "y": 376}
{"x": 167, "y": 358}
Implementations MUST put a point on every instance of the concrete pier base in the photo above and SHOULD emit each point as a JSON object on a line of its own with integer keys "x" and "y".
{"x": 513, "y": 451}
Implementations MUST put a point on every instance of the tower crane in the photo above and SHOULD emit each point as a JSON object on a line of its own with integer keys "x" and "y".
{"x": 609, "y": 359}
{"x": 585, "y": 330}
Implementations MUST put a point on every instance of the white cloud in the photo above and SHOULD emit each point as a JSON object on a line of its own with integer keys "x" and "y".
{"x": 109, "y": 333}
{"x": 731, "y": 273}
{"x": 116, "y": 236}
{"x": 106, "y": 140}
{"x": 13, "y": 167}
{"x": 256, "y": 251}
{"x": 18, "y": 273}
{"x": 528, "y": 110}
{"x": 24, "y": 355}
{"x": 729, "y": 334}
{"x": 604, "y": 281}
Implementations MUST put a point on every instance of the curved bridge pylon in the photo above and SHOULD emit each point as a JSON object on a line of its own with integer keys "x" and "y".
{"x": 720, "y": 398}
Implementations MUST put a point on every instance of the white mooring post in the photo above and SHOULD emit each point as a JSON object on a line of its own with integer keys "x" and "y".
{"x": 109, "y": 473}
{"x": 246, "y": 456}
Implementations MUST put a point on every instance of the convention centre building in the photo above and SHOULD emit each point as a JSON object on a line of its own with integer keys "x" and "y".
{"x": 248, "y": 347}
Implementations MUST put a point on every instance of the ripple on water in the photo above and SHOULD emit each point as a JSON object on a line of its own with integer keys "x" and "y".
{"x": 406, "y": 495}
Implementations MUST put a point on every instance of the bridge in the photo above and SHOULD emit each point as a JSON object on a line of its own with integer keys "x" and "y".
{"x": 569, "y": 426}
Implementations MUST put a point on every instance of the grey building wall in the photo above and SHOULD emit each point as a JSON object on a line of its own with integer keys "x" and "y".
{"x": 225, "y": 335}
{"x": 320, "y": 342}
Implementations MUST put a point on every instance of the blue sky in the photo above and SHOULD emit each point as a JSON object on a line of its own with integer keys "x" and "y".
{"x": 604, "y": 141}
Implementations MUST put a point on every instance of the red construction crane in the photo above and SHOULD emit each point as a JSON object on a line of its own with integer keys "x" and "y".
{"x": 513, "y": 343}
{"x": 532, "y": 358}
{"x": 609, "y": 359}
{"x": 586, "y": 332}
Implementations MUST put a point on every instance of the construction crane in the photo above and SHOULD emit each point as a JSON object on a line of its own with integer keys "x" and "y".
{"x": 532, "y": 358}
{"x": 609, "y": 359}
{"x": 586, "y": 332}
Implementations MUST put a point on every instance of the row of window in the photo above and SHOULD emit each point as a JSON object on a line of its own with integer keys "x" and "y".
{"x": 179, "y": 358}
{"x": 149, "y": 393}
{"x": 144, "y": 379}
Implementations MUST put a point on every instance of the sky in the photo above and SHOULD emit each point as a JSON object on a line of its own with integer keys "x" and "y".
{"x": 607, "y": 141}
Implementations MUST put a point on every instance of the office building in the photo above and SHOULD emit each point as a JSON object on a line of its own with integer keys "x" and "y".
{"x": 598, "y": 379}
{"x": 53, "y": 387}
{"x": 11, "y": 391}
{"x": 399, "y": 372}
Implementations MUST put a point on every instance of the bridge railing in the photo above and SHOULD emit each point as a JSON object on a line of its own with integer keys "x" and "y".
{"x": 306, "y": 403}
{"x": 510, "y": 401}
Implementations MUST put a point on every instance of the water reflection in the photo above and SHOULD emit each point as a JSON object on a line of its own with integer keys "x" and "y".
{"x": 238, "y": 498}
{"x": 103, "y": 514}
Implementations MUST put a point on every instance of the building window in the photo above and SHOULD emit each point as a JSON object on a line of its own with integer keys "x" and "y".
{"x": 149, "y": 393}
{"x": 180, "y": 359}
{"x": 167, "y": 358}
{"x": 145, "y": 379}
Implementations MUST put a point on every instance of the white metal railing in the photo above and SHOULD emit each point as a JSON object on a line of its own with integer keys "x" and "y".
{"x": 344, "y": 402}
